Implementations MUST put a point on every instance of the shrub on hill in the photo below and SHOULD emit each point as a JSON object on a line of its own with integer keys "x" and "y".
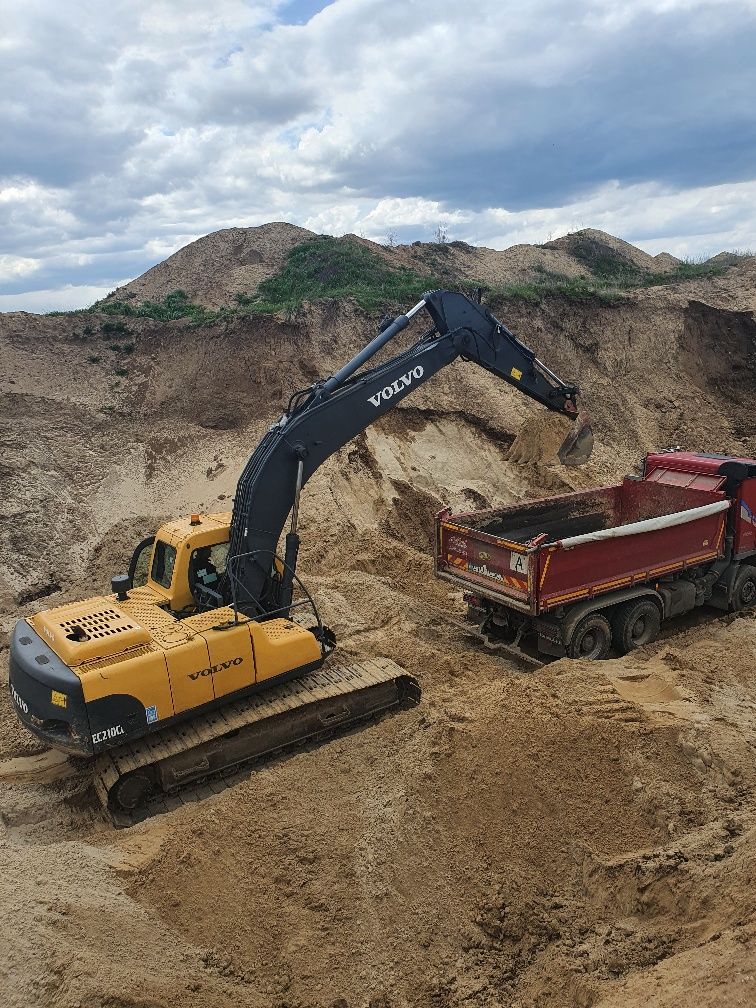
{"x": 326, "y": 268}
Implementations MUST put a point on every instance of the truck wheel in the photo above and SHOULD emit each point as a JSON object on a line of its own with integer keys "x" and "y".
{"x": 591, "y": 638}
{"x": 744, "y": 589}
{"x": 635, "y": 623}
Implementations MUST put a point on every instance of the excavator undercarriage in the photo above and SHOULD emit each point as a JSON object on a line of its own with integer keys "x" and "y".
{"x": 183, "y": 763}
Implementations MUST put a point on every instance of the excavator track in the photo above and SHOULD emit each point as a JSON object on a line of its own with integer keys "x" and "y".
{"x": 184, "y": 764}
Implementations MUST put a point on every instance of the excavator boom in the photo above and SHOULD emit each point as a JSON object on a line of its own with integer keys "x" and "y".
{"x": 326, "y": 416}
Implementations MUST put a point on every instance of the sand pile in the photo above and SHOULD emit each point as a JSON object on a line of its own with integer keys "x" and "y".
{"x": 579, "y": 836}
{"x": 215, "y": 268}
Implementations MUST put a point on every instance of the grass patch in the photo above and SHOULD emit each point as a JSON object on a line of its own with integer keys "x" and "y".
{"x": 688, "y": 269}
{"x": 545, "y": 285}
{"x": 613, "y": 271}
{"x": 117, "y": 328}
{"x": 328, "y": 268}
{"x": 611, "y": 281}
{"x": 174, "y": 306}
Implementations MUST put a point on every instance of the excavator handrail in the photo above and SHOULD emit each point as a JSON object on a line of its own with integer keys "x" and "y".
{"x": 266, "y": 614}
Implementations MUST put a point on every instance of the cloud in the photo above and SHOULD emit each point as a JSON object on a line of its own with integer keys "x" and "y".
{"x": 137, "y": 126}
{"x": 66, "y": 298}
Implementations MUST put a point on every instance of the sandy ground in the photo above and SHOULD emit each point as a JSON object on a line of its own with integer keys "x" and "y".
{"x": 583, "y": 835}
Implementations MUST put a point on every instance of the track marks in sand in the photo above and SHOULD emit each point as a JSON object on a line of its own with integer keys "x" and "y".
{"x": 42, "y": 768}
{"x": 635, "y": 692}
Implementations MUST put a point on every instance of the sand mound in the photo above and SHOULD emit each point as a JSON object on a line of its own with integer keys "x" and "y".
{"x": 217, "y": 266}
{"x": 597, "y": 250}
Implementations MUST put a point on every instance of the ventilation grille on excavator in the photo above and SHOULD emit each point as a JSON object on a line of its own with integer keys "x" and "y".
{"x": 97, "y": 624}
{"x": 208, "y": 620}
{"x": 277, "y": 631}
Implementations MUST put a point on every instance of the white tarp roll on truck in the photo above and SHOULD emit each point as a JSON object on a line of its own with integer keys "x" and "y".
{"x": 649, "y": 525}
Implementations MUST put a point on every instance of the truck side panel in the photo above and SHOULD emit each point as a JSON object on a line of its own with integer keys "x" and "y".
{"x": 568, "y": 575}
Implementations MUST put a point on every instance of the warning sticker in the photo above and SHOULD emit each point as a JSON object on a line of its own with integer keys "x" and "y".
{"x": 518, "y": 562}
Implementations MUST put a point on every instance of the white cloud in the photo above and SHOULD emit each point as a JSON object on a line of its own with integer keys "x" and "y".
{"x": 156, "y": 123}
{"x": 67, "y": 298}
{"x": 17, "y": 266}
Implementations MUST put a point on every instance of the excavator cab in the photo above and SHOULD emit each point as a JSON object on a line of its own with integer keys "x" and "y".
{"x": 182, "y": 564}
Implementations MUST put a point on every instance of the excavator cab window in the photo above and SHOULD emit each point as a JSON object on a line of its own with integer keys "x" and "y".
{"x": 163, "y": 562}
{"x": 206, "y": 566}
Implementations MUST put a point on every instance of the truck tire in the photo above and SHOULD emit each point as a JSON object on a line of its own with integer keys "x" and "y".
{"x": 744, "y": 589}
{"x": 634, "y": 624}
{"x": 591, "y": 638}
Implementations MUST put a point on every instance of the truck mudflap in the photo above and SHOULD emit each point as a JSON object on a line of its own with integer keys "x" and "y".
{"x": 495, "y": 564}
{"x": 47, "y": 695}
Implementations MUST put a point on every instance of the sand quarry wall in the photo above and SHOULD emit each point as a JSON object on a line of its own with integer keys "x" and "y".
{"x": 583, "y": 835}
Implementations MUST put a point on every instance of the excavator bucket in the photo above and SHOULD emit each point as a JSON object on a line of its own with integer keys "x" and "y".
{"x": 541, "y": 439}
{"x": 578, "y": 445}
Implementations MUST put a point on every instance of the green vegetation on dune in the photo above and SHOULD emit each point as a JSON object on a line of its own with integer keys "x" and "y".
{"x": 322, "y": 268}
{"x": 327, "y": 268}
{"x": 610, "y": 280}
{"x": 688, "y": 269}
{"x": 175, "y": 305}
{"x": 546, "y": 285}
{"x": 335, "y": 268}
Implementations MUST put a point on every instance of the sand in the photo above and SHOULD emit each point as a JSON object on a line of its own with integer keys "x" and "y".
{"x": 582, "y": 835}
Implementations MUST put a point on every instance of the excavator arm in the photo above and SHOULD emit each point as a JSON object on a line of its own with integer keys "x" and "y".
{"x": 326, "y": 416}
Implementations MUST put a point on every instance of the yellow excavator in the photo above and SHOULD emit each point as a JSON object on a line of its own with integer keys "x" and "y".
{"x": 200, "y": 658}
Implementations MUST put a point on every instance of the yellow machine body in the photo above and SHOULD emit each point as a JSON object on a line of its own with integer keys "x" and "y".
{"x": 147, "y": 659}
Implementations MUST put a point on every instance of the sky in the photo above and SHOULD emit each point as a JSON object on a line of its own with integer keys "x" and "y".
{"x": 131, "y": 128}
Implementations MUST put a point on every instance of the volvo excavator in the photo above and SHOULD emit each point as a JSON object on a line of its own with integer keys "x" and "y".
{"x": 199, "y": 659}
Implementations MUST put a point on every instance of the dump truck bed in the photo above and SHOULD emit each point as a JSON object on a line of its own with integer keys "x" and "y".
{"x": 547, "y": 553}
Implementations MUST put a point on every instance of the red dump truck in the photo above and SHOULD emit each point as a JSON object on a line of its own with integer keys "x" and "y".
{"x": 577, "y": 574}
